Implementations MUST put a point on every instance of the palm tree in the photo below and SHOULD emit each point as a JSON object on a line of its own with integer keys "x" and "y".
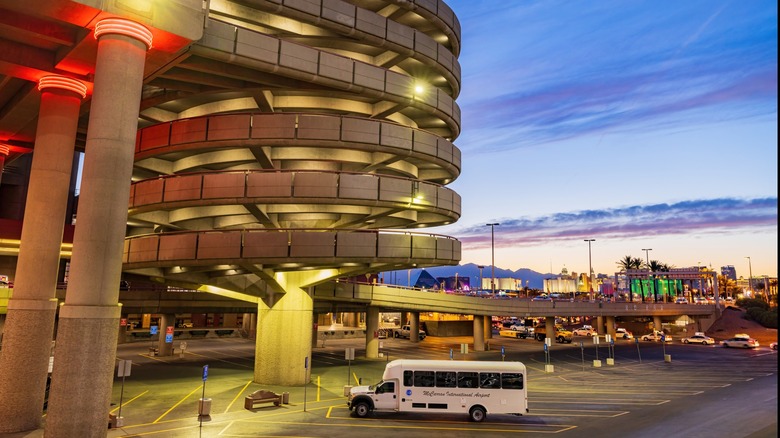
{"x": 726, "y": 285}
{"x": 626, "y": 263}
{"x": 655, "y": 266}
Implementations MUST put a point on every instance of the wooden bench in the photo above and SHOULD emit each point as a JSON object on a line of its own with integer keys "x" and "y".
{"x": 262, "y": 396}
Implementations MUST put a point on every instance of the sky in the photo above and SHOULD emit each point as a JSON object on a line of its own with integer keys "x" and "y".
{"x": 649, "y": 126}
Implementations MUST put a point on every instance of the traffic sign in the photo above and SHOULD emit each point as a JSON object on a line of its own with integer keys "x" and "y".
{"x": 169, "y": 338}
{"x": 153, "y": 329}
{"x": 205, "y": 372}
{"x": 123, "y": 368}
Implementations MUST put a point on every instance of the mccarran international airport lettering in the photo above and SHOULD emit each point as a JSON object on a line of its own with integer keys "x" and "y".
{"x": 455, "y": 394}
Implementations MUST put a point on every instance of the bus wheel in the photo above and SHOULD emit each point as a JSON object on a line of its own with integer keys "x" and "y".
{"x": 477, "y": 414}
{"x": 362, "y": 409}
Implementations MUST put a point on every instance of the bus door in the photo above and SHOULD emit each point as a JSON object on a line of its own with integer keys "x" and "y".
{"x": 385, "y": 396}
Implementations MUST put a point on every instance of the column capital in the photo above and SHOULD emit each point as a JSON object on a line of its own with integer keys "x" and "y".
{"x": 124, "y": 27}
{"x": 63, "y": 83}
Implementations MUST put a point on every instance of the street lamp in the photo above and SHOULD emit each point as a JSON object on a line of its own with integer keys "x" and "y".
{"x": 590, "y": 268}
{"x": 492, "y": 257}
{"x": 750, "y": 285}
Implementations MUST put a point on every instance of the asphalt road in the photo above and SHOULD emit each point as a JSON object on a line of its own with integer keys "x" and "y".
{"x": 704, "y": 391}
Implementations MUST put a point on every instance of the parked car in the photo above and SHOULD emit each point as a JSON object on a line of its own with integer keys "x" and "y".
{"x": 623, "y": 333}
{"x": 700, "y": 300}
{"x": 773, "y": 346}
{"x": 740, "y": 341}
{"x": 585, "y": 330}
{"x": 699, "y": 338}
{"x": 522, "y": 328}
{"x": 681, "y": 300}
{"x": 656, "y": 336}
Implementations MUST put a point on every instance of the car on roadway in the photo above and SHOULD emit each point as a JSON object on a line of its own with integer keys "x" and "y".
{"x": 740, "y": 341}
{"x": 623, "y": 333}
{"x": 699, "y": 338}
{"x": 681, "y": 300}
{"x": 700, "y": 300}
{"x": 773, "y": 346}
{"x": 541, "y": 298}
{"x": 656, "y": 336}
{"x": 585, "y": 330}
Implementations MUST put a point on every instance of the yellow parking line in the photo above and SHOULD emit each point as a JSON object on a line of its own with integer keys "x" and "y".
{"x": 177, "y": 404}
{"x": 236, "y": 397}
{"x": 128, "y": 402}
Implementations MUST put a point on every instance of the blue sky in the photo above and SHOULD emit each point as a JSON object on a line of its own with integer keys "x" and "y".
{"x": 641, "y": 124}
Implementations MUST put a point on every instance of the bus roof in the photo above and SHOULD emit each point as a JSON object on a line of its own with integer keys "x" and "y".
{"x": 460, "y": 365}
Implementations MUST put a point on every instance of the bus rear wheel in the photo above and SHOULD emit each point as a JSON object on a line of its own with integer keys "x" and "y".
{"x": 477, "y": 414}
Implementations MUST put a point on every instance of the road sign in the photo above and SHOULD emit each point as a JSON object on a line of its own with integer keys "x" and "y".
{"x": 205, "y": 372}
{"x": 169, "y": 330}
{"x": 123, "y": 368}
{"x": 169, "y": 338}
{"x": 153, "y": 329}
{"x": 502, "y": 350}
{"x": 349, "y": 353}
{"x": 545, "y": 346}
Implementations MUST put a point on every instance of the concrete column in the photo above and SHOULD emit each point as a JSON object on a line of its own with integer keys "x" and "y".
{"x": 611, "y": 326}
{"x": 479, "y": 333}
{"x": 372, "y": 326}
{"x": 166, "y": 320}
{"x": 80, "y": 396}
{"x": 600, "y": 325}
{"x": 414, "y": 326}
{"x": 657, "y": 323}
{"x": 315, "y": 331}
{"x": 488, "y": 327}
{"x": 549, "y": 327}
{"x": 29, "y": 327}
{"x": 252, "y": 326}
{"x": 284, "y": 333}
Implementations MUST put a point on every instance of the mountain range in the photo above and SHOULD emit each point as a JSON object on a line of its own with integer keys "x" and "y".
{"x": 406, "y": 277}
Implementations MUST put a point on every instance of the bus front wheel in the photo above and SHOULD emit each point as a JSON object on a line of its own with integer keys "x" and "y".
{"x": 362, "y": 409}
{"x": 477, "y": 414}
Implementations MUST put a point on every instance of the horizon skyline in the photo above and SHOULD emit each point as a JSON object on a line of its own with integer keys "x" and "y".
{"x": 638, "y": 127}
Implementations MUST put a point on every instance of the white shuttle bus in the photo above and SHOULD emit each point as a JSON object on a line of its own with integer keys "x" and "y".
{"x": 470, "y": 387}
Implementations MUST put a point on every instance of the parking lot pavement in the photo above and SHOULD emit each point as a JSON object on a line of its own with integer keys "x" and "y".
{"x": 638, "y": 395}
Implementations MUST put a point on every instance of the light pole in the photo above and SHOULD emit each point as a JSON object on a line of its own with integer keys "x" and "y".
{"x": 590, "y": 268}
{"x": 750, "y": 285}
{"x": 492, "y": 257}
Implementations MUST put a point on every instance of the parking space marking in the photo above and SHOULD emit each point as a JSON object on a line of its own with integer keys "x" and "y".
{"x": 177, "y": 404}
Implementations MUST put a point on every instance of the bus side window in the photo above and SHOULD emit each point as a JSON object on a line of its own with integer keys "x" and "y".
{"x": 425, "y": 379}
{"x": 512, "y": 381}
{"x": 490, "y": 380}
{"x": 446, "y": 379}
{"x": 408, "y": 378}
{"x": 468, "y": 380}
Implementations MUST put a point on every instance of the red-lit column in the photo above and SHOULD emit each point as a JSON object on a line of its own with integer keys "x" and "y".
{"x": 80, "y": 397}
{"x": 4, "y": 151}
{"x": 29, "y": 326}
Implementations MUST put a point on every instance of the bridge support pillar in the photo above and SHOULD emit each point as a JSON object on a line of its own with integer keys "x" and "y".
{"x": 657, "y": 323}
{"x": 488, "y": 323}
{"x": 479, "y": 333}
{"x": 414, "y": 326}
{"x": 167, "y": 320}
{"x": 600, "y": 325}
{"x": 611, "y": 326}
{"x": 549, "y": 327}
{"x": 372, "y": 333}
{"x": 284, "y": 330}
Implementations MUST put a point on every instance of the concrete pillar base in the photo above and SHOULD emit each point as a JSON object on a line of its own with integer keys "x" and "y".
{"x": 596, "y": 363}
